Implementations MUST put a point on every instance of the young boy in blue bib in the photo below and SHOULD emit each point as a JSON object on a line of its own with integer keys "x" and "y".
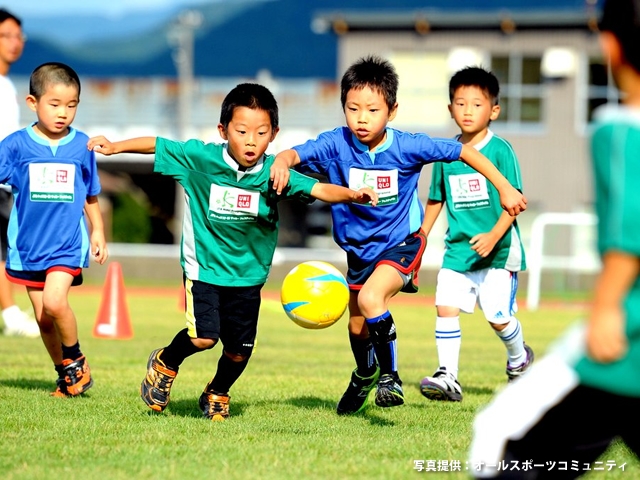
{"x": 384, "y": 245}
{"x": 54, "y": 182}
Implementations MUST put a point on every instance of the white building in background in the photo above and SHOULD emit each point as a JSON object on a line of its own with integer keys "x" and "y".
{"x": 549, "y": 63}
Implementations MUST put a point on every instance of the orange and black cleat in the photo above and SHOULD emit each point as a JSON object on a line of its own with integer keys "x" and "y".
{"x": 214, "y": 407}
{"x": 156, "y": 386}
{"x": 77, "y": 377}
{"x": 61, "y": 389}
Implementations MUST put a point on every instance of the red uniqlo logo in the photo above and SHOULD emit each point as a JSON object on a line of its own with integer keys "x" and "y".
{"x": 244, "y": 201}
{"x": 61, "y": 176}
{"x": 384, "y": 182}
{"x": 474, "y": 185}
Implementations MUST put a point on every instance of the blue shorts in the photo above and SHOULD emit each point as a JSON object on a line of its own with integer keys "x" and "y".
{"x": 37, "y": 278}
{"x": 226, "y": 313}
{"x": 406, "y": 258}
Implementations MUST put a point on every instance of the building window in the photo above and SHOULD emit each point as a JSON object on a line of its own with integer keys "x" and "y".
{"x": 521, "y": 89}
{"x": 601, "y": 88}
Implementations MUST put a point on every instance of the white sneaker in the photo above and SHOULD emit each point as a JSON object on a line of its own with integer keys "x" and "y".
{"x": 19, "y": 324}
{"x": 515, "y": 372}
{"x": 442, "y": 386}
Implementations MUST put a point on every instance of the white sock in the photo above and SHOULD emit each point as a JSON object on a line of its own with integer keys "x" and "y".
{"x": 11, "y": 314}
{"x": 512, "y": 338}
{"x": 448, "y": 340}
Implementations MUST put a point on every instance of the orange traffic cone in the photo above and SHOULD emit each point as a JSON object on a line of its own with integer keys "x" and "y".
{"x": 113, "y": 316}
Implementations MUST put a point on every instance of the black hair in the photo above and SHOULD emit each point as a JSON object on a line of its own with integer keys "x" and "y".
{"x": 622, "y": 19}
{"x": 250, "y": 95}
{"x": 372, "y": 72}
{"x": 6, "y": 15}
{"x": 476, "y": 77}
{"x": 52, "y": 73}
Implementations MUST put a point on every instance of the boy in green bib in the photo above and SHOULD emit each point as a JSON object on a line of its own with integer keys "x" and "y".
{"x": 229, "y": 235}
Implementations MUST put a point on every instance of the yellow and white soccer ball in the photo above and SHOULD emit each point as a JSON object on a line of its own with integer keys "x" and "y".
{"x": 314, "y": 294}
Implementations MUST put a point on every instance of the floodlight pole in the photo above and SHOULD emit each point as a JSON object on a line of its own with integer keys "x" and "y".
{"x": 182, "y": 36}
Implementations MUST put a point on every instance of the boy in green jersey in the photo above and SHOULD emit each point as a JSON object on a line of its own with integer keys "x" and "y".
{"x": 229, "y": 236}
{"x": 585, "y": 392}
{"x": 484, "y": 252}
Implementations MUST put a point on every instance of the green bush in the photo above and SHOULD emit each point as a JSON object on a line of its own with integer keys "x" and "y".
{"x": 131, "y": 219}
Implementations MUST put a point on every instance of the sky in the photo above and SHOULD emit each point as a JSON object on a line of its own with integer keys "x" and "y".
{"x": 112, "y": 8}
{"x": 67, "y": 22}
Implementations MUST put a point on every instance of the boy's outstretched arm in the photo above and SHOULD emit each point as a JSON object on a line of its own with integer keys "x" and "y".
{"x": 97, "y": 241}
{"x": 133, "y": 145}
{"x": 606, "y": 339}
{"x": 510, "y": 198}
{"x": 279, "y": 173}
{"x": 328, "y": 192}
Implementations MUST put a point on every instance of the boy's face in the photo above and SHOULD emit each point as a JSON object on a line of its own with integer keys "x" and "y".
{"x": 249, "y": 133}
{"x": 472, "y": 110}
{"x": 56, "y": 109}
{"x": 11, "y": 43}
{"x": 367, "y": 115}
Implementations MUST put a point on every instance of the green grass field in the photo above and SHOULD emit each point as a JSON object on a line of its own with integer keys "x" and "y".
{"x": 283, "y": 423}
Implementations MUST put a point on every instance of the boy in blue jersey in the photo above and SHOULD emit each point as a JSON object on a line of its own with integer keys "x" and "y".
{"x": 384, "y": 246}
{"x": 585, "y": 392}
{"x": 483, "y": 249}
{"x": 229, "y": 236}
{"x": 55, "y": 182}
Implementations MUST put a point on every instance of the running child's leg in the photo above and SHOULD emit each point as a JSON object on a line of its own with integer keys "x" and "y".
{"x": 52, "y": 306}
{"x": 239, "y": 313}
{"x": 202, "y": 333}
{"x": 365, "y": 376}
{"x": 497, "y": 298}
{"x": 373, "y": 300}
{"x": 455, "y": 292}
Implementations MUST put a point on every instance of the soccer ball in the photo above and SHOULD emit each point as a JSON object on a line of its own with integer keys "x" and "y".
{"x": 314, "y": 294}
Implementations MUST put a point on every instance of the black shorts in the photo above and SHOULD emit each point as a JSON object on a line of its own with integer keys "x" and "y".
{"x": 226, "y": 313}
{"x": 6, "y": 202}
{"x": 406, "y": 258}
{"x": 4, "y": 225}
{"x": 37, "y": 278}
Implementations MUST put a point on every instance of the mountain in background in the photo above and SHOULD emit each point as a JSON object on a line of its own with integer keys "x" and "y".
{"x": 237, "y": 38}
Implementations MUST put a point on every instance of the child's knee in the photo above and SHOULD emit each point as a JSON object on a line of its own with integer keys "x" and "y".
{"x": 204, "y": 343}
{"x": 236, "y": 357}
{"x": 55, "y": 306}
{"x": 499, "y": 324}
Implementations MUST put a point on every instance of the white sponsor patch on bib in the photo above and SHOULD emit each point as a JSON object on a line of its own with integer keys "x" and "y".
{"x": 383, "y": 182}
{"x": 233, "y": 204}
{"x": 51, "y": 182}
{"x": 469, "y": 190}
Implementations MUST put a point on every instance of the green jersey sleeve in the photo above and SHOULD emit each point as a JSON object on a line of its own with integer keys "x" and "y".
{"x": 299, "y": 187}
{"x": 437, "y": 191}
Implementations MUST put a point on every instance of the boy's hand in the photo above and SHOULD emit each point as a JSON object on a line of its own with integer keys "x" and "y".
{"x": 99, "y": 247}
{"x": 606, "y": 341}
{"x": 365, "y": 195}
{"x": 513, "y": 201}
{"x": 483, "y": 243}
{"x": 279, "y": 174}
{"x": 101, "y": 145}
